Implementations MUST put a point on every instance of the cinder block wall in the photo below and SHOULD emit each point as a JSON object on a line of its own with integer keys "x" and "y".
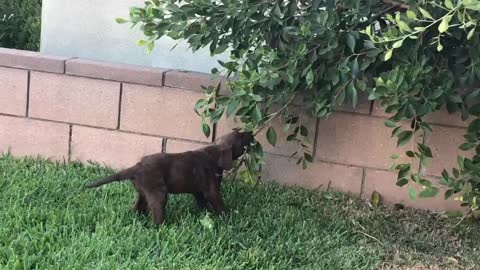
{"x": 75, "y": 109}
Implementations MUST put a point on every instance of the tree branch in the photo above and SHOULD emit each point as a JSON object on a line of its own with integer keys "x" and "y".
{"x": 396, "y": 4}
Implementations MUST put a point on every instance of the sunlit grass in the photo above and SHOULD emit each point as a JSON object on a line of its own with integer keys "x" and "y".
{"x": 47, "y": 221}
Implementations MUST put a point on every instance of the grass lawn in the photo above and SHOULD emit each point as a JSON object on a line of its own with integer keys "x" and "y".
{"x": 48, "y": 222}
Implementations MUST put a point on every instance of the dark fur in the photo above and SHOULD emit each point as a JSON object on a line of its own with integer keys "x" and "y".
{"x": 237, "y": 141}
{"x": 196, "y": 172}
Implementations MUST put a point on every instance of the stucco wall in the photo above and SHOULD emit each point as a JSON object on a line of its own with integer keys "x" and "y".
{"x": 87, "y": 29}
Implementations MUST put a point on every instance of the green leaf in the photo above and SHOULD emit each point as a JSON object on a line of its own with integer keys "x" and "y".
{"x": 247, "y": 176}
{"x": 309, "y": 77}
{"x": 232, "y": 107}
{"x": 456, "y": 172}
{"x": 390, "y": 124}
{"x": 207, "y": 222}
{"x": 412, "y": 193}
{"x": 404, "y": 26}
{"x": 461, "y": 162}
{"x": 308, "y": 157}
{"x": 351, "y": 42}
{"x": 472, "y": 4}
{"x": 397, "y": 44}
{"x": 392, "y": 167}
{"x": 449, "y": 4}
{"x": 206, "y": 129}
{"x": 352, "y": 92}
{"x": 398, "y": 17}
{"x": 404, "y": 137}
{"x": 425, "y": 149}
{"x": 444, "y": 181}
{"x": 425, "y": 161}
{"x": 439, "y": 46}
{"x": 410, "y": 154}
{"x": 214, "y": 71}
{"x": 257, "y": 114}
{"x": 304, "y": 164}
{"x": 404, "y": 170}
{"x": 470, "y": 34}
{"x": 460, "y": 15}
{"x": 221, "y": 101}
{"x": 455, "y": 99}
{"x": 257, "y": 98}
{"x": 376, "y": 197}
{"x": 216, "y": 115}
{"x": 467, "y": 188}
{"x": 390, "y": 17}
{"x": 425, "y": 13}
{"x": 142, "y": 42}
{"x": 150, "y": 46}
{"x": 444, "y": 24}
{"x": 277, "y": 11}
{"x": 303, "y": 131}
{"x": 362, "y": 85}
{"x": 424, "y": 182}
{"x": 402, "y": 182}
{"x": 474, "y": 126}
{"x": 355, "y": 68}
{"x": 271, "y": 136}
{"x": 411, "y": 15}
{"x": 394, "y": 156}
{"x": 396, "y": 131}
{"x": 121, "y": 20}
{"x": 198, "y": 105}
{"x": 428, "y": 192}
{"x": 388, "y": 55}
{"x": 467, "y": 146}
{"x": 220, "y": 49}
{"x": 473, "y": 94}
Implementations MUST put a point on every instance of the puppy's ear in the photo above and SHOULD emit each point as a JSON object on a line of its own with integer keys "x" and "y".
{"x": 248, "y": 138}
{"x": 225, "y": 161}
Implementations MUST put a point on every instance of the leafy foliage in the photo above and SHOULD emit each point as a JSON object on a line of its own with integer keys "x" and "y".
{"x": 294, "y": 57}
{"x": 441, "y": 71}
{"x": 20, "y": 24}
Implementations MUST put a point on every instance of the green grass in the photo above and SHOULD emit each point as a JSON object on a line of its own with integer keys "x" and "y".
{"x": 47, "y": 221}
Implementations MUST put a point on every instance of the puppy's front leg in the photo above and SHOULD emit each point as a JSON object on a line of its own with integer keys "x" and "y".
{"x": 201, "y": 202}
{"x": 216, "y": 200}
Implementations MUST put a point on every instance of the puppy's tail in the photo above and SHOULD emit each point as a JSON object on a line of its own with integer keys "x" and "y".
{"x": 120, "y": 176}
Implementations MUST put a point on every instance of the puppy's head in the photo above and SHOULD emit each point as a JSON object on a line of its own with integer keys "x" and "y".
{"x": 225, "y": 160}
{"x": 237, "y": 141}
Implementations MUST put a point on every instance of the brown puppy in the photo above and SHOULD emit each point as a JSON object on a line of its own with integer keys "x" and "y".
{"x": 195, "y": 172}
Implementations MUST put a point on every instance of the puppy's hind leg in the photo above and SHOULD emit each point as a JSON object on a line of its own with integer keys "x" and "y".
{"x": 140, "y": 205}
{"x": 157, "y": 201}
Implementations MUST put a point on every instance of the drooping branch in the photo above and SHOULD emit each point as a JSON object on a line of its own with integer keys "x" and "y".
{"x": 396, "y": 4}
